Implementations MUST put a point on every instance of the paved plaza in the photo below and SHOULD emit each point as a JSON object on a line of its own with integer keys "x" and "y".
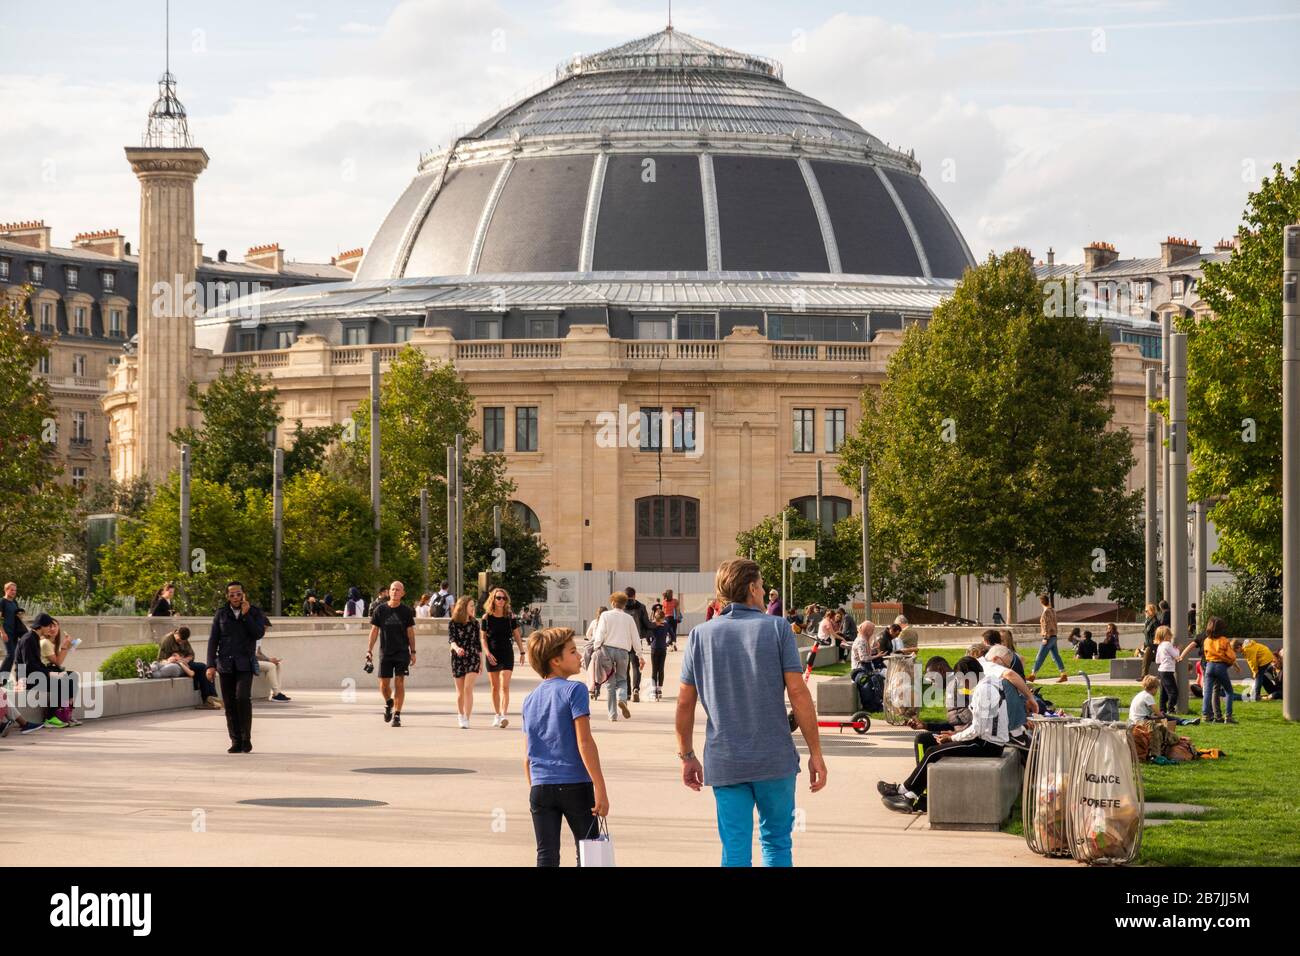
{"x": 129, "y": 791}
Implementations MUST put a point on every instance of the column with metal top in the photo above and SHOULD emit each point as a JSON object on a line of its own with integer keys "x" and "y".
{"x": 277, "y": 523}
{"x": 460, "y": 515}
{"x": 1152, "y": 497}
{"x": 450, "y": 574}
{"x": 424, "y": 539}
{"x": 1177, "y": 550}
{"x": 1291, "y": 472}
{"x": 184, "y": 564}
{"x": 374, "y": 449}
{"x": 1166, "y": 510}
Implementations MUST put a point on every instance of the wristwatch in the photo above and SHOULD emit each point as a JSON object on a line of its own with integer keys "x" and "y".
{"x": 689, "y": 755}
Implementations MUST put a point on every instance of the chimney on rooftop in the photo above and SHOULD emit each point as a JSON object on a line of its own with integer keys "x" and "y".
{"x": 1051, "y": 256}
{"x": 266, "y": 257}
{"x": 107, "y": 242}
{"x": 30, "y": 233}
{"x": 1098, "y": 254}
{"x": 1174, "y": 250}
{"x": 1225, "y": 245}
{"x": 221, "y": 255}
{"x": 350, "y": 260}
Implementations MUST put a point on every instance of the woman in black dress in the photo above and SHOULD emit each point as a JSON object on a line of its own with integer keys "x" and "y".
{"x": 499, "y": 634}
{"x": 463, "y": 638}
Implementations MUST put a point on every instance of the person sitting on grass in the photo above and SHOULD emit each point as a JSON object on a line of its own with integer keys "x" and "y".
{"x": 1143, "y": 705}
{"x": 984, "y": 737}
{"x": 1086, "y": 649}
{"x": 562, "y": 765}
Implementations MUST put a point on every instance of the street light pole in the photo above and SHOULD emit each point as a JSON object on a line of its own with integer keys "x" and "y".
{"x": 1152, "y": 497}
{"x": 1167, "y": 510}
{"x": 1177, "y": 548}
{"x": 1291, "y": 472}
{"x": 374, "y": 450}
{"x": 277, "y": 521}
{"x": 865, "y": 492}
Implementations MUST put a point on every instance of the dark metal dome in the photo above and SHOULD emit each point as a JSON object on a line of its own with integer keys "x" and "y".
{"x": 668, "y": 153}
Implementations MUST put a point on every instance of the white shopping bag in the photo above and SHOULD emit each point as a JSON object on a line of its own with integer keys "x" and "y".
{"x": 598, "y": 851}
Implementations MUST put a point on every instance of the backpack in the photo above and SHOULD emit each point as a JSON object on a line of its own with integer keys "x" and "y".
{"x": 439, "y": 605}
{"x": 871, "y": 689}
{"x": 993, "y": 712}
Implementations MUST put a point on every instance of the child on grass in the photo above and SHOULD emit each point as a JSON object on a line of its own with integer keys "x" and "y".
{"x": 562, "y": 766}
{"x": 1143, "y": 705}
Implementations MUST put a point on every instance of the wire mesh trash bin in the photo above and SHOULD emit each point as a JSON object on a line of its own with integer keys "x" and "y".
{"x": 901, "y": 692}
{"x": 1044, "y": 801}
{"x": 1104, "y": 819}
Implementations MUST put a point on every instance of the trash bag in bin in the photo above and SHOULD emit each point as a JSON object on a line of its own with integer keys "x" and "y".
{"x": 1045, "y": 797}
{"x": 901, "y": 693}
{"x": 1104, "y": 821}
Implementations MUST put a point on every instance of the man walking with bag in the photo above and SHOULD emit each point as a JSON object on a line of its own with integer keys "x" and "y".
{"x": 232, "y": 654}
{"x": 740, "y": 666}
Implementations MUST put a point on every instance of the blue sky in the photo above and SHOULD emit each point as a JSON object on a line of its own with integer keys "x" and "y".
{"x": 1038, "y": 122}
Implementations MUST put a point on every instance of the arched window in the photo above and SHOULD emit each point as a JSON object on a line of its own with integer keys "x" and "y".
{"x": 834, "y": 510}
{"x": 527, "y": 516}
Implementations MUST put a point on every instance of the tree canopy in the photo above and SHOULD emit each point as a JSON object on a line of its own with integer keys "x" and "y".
{"x": 1234, "y": 383}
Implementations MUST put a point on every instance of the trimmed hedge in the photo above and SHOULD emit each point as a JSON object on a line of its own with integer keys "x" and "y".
{"x": 120, "y": 665}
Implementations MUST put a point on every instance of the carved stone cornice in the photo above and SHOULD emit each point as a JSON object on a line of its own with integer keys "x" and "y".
{"x": 167, "y": 163}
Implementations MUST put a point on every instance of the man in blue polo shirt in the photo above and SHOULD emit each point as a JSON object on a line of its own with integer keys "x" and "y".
{"x": 740, "y": 666}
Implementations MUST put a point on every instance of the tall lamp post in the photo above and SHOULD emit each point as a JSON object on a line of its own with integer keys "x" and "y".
{"x": 1291, "y": 472}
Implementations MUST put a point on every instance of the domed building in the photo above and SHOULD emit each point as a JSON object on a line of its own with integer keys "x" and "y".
{"x": 667, "y": 239}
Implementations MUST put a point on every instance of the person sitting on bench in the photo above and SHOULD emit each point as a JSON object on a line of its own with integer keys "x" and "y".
{"x": 985, "y": 737}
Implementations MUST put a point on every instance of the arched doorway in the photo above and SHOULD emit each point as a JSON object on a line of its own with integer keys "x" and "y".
{"x": 667, "y": 533}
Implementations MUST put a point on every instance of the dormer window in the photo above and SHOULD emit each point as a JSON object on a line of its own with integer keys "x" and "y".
{"x": 1177, "y": 286}
{"x": 73, "y": 274}
{"x": 110, "y": 281}
{"x": 4, "y": 270}
{"x": 36, "y": 272}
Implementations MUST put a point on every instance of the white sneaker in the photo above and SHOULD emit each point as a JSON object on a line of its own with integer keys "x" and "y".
{"x": 496, "y": 720}
{"x": 505, "y": 721}
{"x": 463, "y": 721}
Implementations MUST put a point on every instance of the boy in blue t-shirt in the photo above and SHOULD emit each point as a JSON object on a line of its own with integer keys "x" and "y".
{"x": 563, "y": 765}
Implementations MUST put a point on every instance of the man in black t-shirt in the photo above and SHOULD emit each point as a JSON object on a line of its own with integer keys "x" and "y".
{"x": 393, "y": 625}
{"x": 14, "y": 628}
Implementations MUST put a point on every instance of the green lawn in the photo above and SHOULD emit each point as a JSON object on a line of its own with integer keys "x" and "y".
{"x": 1025, "y": 649}
{"x": 1253, "y": 790}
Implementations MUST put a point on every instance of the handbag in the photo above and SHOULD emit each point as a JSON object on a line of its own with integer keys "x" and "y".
{"x": 599, "y": 850}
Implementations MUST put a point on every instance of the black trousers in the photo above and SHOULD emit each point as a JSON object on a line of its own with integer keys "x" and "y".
{"x": 1168, "y": 692}
{"x": 237, "y": 695}
{"x": 552, "y": 803}
{"x": 970, "y": 748}
{"x": 204, "y": 686}
{"x": 657, "y": 659}
{"x": 634, "y": 671}
{"x": 10, "y": 646}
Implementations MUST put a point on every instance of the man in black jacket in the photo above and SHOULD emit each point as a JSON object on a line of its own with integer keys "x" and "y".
{"x": 644, "y": 627}
{"x": 232, "y": 654}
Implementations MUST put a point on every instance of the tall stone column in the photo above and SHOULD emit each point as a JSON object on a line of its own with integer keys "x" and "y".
{"x": 165, "y": 341}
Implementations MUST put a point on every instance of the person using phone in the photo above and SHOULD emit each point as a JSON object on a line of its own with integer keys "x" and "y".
{"x": 232, "y": 653}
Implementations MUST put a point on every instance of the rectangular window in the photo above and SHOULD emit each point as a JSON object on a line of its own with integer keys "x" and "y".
{"x": 683, "y": 429}
{"x": 115, "y": 323}
{"x": 652, "y": 429}
{"x": 543, "y": 327}
{"x": 487, "y": 328}
{"x": 1177, "y": 287}
{"x": 247, "y": 342}
{"x": 36, "y": 272}
{"x": 654, "y": 329}
{"x": 4, "y": 270}
{"x": 43, "y": 365}
{"x": 285, "y": 338}
{"x": 526, "y": 428}
{"x": 804, "y": 429}
{"x": 835, "y": 421}
{"x": 696, "y": 326}
{"x": 47, "y": 317}
{"x": 402, "y": 333}
{"x": 79, "y": 479}
{"x": 110, "y": 281}
{"x": 494, "y": 429}
{"x": 79, "y": 433}
{"x": 73, "y": 274}
{"x": 356, "y": 335}
{"x": 79, "y": 320}
{"x": 79, "y": 366}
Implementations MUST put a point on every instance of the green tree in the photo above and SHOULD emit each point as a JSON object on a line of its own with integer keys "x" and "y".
{"x": 240, "y": 415}
{"x": 232, "y": 533}
{"x": 987, "y": 445}
{"x": 1234, "y": 383}
{"x": 36, "y": 510}
{"x": 828, "y": 578}
{"x": 526, "y": 557}
{"x": 423, "y": 405}
{"x": 896, "y": 574}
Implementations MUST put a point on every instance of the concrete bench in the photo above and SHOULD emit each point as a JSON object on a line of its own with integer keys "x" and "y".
{"x": 1127, "y": 668}
{"x": 122, "y": 698}
{"x": 839, "y": 695}
{"x": 973, "y": 793}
